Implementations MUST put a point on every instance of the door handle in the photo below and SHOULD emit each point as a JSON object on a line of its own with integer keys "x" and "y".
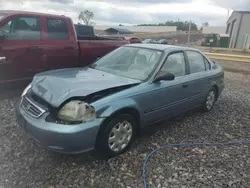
{"x": 69, "y": 47}
{"x": 185, "y": 85}
{"x": 2, "y": 60}
{"x": 35, "y": 48}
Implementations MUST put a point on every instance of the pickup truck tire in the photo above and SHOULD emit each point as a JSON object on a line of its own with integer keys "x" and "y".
{"x": 117, "y": 136}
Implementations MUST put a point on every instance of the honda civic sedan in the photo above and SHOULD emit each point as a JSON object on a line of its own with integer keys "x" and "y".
{"x": 105, "y": 105}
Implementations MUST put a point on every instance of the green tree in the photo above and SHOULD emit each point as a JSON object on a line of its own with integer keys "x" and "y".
{"x": 85, "y": 17}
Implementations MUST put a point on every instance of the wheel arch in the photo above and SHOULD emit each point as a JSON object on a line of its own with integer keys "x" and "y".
{"x": 216, "y": 89}
{"x": 126, "y": 110}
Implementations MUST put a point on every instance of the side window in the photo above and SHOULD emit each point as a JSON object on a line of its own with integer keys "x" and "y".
{"x": 175, "y": 64}
{"x": 196, "y": 62}
{"x": 22, "y": 28}
{"x": 57, "y": 29}
{"x": 207, "y": 64}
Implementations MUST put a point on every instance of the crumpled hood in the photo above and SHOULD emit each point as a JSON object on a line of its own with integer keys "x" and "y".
{"x": 59, "y": 85}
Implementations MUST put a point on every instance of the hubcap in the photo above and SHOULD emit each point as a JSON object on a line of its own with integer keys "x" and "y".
{"x": 210, "y": 100}
{"x": 120, "y": 136}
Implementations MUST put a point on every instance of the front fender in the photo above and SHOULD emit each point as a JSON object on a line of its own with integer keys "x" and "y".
{"x": 112, "y": 107}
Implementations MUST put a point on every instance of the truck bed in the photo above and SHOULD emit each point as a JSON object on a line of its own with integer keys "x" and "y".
{"x": 80, "y": 37}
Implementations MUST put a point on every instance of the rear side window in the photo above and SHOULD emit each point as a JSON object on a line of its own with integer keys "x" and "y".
{"x": 207, "y": 64}
{"x": 57, "y": 29}
{"x": 196, "y": 62}
{"x": 22, "y": 28}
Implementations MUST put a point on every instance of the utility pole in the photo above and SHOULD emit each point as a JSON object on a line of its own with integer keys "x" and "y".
{"x": 178, "y": 23}
{"x": 189, "y": 30}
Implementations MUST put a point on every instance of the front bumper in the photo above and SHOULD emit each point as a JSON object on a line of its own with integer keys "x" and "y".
{"x": 57, "y": 137}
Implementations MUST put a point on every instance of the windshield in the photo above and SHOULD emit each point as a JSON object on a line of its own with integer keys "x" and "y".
{"x": 131, "y": 62}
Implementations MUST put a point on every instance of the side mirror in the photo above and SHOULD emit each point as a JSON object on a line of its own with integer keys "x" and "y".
{"x": 164, "y": 75}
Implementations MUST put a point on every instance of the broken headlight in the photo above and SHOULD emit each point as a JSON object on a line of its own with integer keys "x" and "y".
{"x": 26, "y": 90}
{"x": 77, "y": 111}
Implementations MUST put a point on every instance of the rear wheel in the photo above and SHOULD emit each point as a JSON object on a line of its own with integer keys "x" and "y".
{"x": 209, "y": 101}
{"x": 117, "y": 136}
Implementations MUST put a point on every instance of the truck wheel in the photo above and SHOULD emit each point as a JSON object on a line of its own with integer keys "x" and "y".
{"x": 209, "y": 101}
{"x": 118, "y": 135}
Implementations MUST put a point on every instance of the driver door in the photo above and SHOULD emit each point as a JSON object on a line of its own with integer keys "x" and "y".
{"x": 20, "y": 53}
{"x": 168, "y": 98}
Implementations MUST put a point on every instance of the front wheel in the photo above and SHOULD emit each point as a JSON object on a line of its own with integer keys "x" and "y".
{"x": 117, "y": 135}
{"x": 209, "y": 101}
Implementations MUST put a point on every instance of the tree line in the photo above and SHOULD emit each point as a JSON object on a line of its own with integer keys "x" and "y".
{"x": 180, "y": 25}
{"x": 86, "y": 16}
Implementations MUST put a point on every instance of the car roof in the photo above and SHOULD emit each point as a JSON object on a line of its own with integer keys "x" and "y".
{"x": 161, "y": 47}
{"x": 13, "y": 12}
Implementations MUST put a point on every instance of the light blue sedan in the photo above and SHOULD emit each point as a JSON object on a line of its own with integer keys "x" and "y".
{"x": 104, "y": 106}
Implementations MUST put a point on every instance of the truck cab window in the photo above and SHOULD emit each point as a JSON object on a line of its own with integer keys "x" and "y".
{"x": 57, "y": 29}
{"x": 21, "y": 28}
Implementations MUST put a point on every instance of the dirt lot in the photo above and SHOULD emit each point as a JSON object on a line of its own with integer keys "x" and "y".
{"x": 238, "y": 67}
{"x": 24, "y": 165}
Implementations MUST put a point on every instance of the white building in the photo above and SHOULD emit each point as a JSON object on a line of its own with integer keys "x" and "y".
{"x": 214, "y": 29}
{"x": 238, "y": 28}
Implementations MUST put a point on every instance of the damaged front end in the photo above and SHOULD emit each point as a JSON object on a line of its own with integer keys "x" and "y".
{"x": 77, "y": 109}
{"x": 106, "y": 92}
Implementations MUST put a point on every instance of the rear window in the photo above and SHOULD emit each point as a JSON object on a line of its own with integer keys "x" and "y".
{"x": 57, "y": 29}
{"x": 84, "y": 30}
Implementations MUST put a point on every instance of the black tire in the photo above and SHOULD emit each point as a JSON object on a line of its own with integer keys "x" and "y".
{"x": 102, "y": 145}
{"x": 208, "y": 107}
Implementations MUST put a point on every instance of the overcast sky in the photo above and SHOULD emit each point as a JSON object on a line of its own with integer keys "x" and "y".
{"x": 114, "y": 12}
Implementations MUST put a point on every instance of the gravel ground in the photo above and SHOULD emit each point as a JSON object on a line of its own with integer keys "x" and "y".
{"x": 24, "y": 165}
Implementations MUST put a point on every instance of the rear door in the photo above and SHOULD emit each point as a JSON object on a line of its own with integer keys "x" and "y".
{"x": 20, "y": 50}
{"x": 200, "y": 77}
{"x": 59, "y": 44}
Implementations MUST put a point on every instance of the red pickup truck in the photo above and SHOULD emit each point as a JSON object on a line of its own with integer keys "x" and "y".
{"x": 34, "y": 42}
